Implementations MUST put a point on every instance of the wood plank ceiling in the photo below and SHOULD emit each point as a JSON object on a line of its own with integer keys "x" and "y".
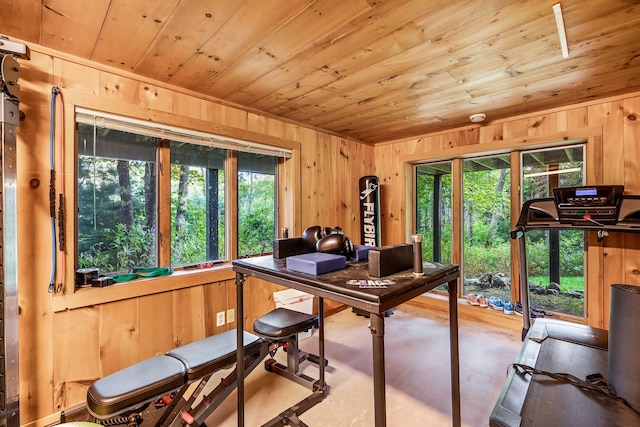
{"x": 371, "y": 70}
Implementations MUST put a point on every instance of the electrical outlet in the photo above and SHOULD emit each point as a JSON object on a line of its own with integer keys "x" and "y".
{"x": 220, "y": 318}
{"x": 231, "y": 315}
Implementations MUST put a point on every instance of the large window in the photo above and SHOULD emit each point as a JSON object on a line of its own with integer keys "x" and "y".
{"x": 433, "y": 211}
{"x": 133, "y": 212}
{"x": 555, "y": 258}
{"x": 486, "y": 226}
{"x": 197, "y": 203}
{"x": 116, "y": 199}
{"x": 256, "y": 203}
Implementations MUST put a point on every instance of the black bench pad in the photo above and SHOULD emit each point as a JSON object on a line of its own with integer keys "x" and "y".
{"x": 282, "y": 322}
{"x": 155, "y": 377}
{"x": 134, "y": 384}
{"x": 160, "y": 375}
{"x": 211, "y": 354}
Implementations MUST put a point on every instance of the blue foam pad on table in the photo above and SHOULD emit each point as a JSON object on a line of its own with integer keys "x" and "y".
{"x": 316, "y": 263}
{"x": 360, "y": 252}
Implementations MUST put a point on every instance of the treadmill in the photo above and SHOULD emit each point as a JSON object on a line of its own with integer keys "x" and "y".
{"x": 600, "y": 208}
{"x": 556, "y": 346}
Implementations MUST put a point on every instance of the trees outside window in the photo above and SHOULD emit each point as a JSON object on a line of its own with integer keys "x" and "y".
{"x": 197, "y": 203}
{"x": 129, "y": 201}
{"x": 556, "y": 259}
{"x": 433, "y": 211}
{"x": 486, "y": 226}
{"x": 116, "y": 200}
{"x": 256, "y": 203}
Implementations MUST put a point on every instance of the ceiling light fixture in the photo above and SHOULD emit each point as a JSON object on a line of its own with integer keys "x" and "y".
{"x": 477, "y": 118}
{"x": 557, "y": 11}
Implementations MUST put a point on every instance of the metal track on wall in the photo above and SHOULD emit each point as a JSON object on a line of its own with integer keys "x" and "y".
{"x": 9, "y": 120}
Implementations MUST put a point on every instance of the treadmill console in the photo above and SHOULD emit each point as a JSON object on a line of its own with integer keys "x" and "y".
{"x": 598, "y": 204}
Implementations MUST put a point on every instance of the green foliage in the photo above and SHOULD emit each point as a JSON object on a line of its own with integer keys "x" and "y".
{"x": 103, "y": 241}
{"x": 128, "y": 249}
{"x": 134, "y": 247}
{"x": 571, "y": 253}
{"x": 567, "y": 283}
{"x": 487, "y": 205}
{"x": 424, "y": 216}
{"x": 257, "y": 232}
{"x": 256, "y": 213}
{"x": 188, "y": 245}
{"x": 479, "y": 260}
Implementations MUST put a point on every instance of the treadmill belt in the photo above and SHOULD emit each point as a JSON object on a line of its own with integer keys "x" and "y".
{"x": 554, "y": 403}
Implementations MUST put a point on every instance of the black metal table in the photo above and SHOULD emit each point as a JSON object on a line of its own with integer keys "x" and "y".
{"x": 352, "y": 286}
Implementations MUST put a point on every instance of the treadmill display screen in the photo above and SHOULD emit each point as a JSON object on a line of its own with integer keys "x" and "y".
{"x": 586, "y": 192}
{"x": 580, "y": 205}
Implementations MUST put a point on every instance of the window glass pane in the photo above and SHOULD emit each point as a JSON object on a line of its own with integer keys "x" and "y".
{"x": 116, "y": 200}
{"x": 555, "y": 259}
{"x": 486, "y": 226}
{"x": 197, "y": 203}
{"x": 433, "y": 211}
{"x": 256, "y": 203}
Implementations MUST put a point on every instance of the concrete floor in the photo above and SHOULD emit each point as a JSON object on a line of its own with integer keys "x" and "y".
{"x": 418, "y": 380}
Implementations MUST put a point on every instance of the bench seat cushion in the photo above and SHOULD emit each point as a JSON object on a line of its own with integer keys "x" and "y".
{"x": 135, "y": 384}
{"x": 213, "y": 353}
{"x": 282, "y": 323}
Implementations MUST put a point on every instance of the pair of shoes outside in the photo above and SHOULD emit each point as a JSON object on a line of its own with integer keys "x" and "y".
{"x": 533, "y": 312}
{"x": 505, "y": 306}
{"x": 499, "y": 305}
{"x": 495, "y": 303}
{"x": 483, "y": 301}
{"x": 477, "y": 300}
{"x": 508, "y": 307}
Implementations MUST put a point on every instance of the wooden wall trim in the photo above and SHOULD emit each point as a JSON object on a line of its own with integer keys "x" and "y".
{"x": 100, "y": 103}
{"x": 505, "y": 146}
{"x": 516, "y": 194}
{"x": 289, "y": 195}
{"x": 437, "y": 303}
{"x": 488, "y": 123}
{"x": 231, "y": 199}
{"x": 141, "y": 287}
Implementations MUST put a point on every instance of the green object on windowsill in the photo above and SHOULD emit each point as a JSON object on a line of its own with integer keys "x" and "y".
{"x": 137, "y": 273}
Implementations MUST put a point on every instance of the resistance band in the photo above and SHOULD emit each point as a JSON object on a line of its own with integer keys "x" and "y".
{"x": 57, "y": 263}
{"x": 137, "y": 273}
{"x": 61, "y": 202}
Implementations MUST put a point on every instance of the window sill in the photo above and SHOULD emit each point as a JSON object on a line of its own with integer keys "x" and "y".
{"x": 440, "y": 303}
{"x": 86, "y": 297}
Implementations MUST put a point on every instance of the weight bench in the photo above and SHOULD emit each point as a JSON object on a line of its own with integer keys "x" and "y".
{"x": 279, "y": 325}
{"x": 167, "y": 381}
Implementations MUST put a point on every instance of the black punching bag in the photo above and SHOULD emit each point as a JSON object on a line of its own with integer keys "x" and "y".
{"x": 370, "y": 210}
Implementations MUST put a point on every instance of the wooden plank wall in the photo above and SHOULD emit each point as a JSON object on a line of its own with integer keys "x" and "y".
{"x": 62, "y": 350}
{"x": 613, "y": 157}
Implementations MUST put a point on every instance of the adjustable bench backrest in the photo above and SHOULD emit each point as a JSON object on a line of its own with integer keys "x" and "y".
{"x": 152, "y": 378}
